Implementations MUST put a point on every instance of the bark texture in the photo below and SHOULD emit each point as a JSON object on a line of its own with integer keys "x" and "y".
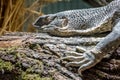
{"x": 36, "y": 56}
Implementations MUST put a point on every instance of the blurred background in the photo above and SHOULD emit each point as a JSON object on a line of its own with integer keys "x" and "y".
{"x": 18, "y": 15}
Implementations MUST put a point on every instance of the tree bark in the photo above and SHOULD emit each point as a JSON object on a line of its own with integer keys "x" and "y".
{"x": 36, "y": 56}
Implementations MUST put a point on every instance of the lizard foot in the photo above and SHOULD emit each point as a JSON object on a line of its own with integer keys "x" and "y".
{"x": 84, "y": 60}
{"x": 80, "y": 49}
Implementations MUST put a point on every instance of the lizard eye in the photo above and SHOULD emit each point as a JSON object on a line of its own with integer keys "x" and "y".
{"x": 64, "y": 23}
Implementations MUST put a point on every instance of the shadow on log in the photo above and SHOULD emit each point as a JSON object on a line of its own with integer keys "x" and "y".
{"x": 36, "y": 56}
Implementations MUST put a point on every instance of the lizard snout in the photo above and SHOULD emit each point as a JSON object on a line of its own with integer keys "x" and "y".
{"x": 36, "y": 26}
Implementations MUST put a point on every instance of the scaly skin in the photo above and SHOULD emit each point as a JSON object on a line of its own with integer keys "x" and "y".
{"x": 79, "y": 22}
{"x": 85, "y": 22}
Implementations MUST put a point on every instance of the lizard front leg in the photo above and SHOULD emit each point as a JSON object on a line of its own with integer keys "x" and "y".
{"x": 90, "y": 58}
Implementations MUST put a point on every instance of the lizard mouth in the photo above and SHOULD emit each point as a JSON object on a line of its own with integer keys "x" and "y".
{"x": 47, "y": 28}
{"x": 63, "y": 28}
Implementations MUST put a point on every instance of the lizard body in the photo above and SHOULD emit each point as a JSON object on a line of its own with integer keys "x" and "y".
{"x": 85, "y": 22}
{"x": 81, "y": 22}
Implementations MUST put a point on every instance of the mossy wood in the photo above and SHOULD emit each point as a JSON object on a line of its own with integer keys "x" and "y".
{"x": 36, "y": 56}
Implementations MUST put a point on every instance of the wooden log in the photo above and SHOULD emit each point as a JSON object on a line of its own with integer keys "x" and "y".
{"x": 37, "y": 56}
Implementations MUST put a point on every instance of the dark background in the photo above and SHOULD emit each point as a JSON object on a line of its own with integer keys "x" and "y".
{"x": 65, "y": 5}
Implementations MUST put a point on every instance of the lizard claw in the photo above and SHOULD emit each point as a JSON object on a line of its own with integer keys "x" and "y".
{"x": 84, "y": 61}
{"x": 73, "y": 58}
{"x": 76, "y": 64}
{"x": 85, "y": 66}
{"x": 72, "y": 53}
{"x": 80, "y": 49}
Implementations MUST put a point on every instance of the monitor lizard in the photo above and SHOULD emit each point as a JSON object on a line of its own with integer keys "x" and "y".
{"x": 85, "y": 22}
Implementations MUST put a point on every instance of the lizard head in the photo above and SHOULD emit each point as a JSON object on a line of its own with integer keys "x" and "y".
{"x": 43, "y": 20}
{"x": 49, "y": 23}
